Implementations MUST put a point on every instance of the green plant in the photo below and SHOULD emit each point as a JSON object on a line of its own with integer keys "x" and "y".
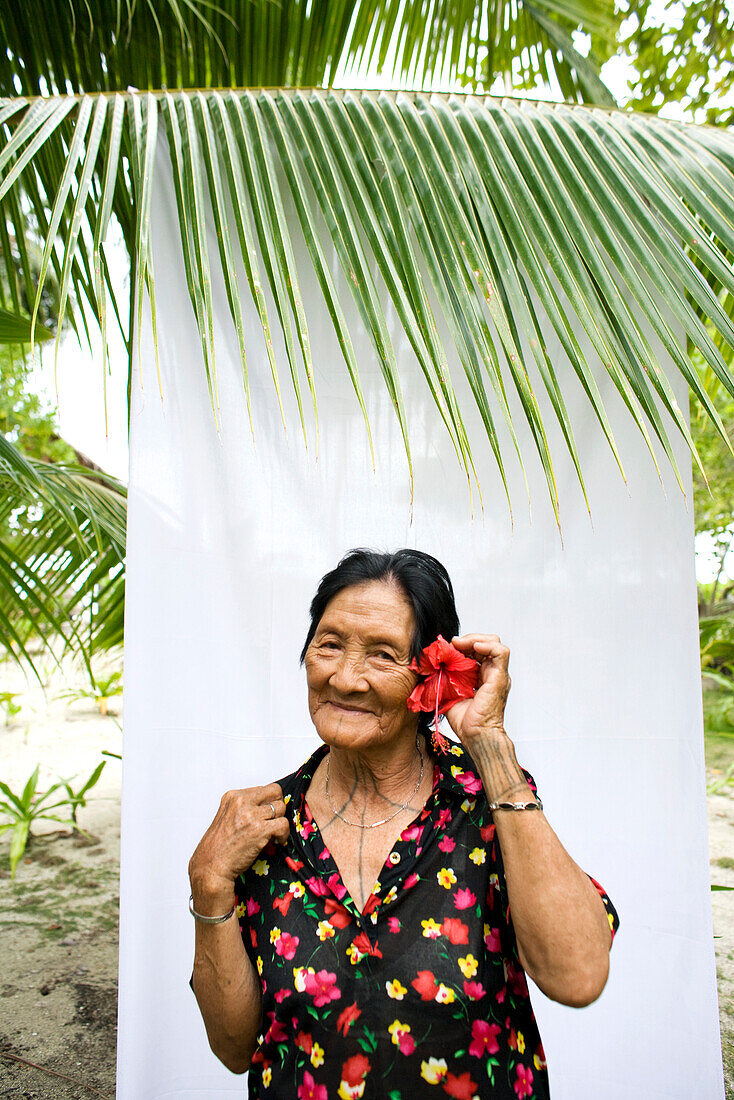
{"x": 7, "y": 700}
{"x": 77, "y": 798}
{"x": 719, "y": 783}
{"x": 33, "y": 805}
{"x": 716, "y": 638}
{"x": 102, "y": 690}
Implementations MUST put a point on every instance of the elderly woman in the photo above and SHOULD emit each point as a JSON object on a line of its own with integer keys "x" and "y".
{"x": 391, "y": 897}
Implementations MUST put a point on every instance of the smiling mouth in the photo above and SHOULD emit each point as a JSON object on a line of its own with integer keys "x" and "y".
{"x": 350, "y": 710}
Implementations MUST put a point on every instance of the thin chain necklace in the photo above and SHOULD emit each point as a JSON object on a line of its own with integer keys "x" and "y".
{"x": 374, "y": 824}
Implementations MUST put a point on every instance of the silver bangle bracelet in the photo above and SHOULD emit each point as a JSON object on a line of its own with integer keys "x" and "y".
{"x": 209, "y": 920}
{"x": 538, "y": 805}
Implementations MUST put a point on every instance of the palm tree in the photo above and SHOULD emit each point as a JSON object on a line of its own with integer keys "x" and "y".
{"x": 62, "y": 547}
{"x": 492, "y": 208}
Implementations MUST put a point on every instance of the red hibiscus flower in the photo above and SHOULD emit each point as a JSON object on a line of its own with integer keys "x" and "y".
{"x": 448, "y": 676}
{"x": 461, "y": 1087}
{"x": 337, "y": 915}
{"x": 304, "y": 1041}
{"x": 336, "y": 885}
{"x": 411, "y": 833}
{"x": 355, "y": 1069}
{"x": 474, "y": 990}
{"x": 372, "y": 902}
{"x": 322, "y": 987}
{"x": 484, "y": 1038}
{"x": 410, "y": 881}
{"x": 425, "y": 984}
{"x": 283, "y": 903}
{"x": 447, "y": 844}
{"x": 487, "y": 832}
{"x": 281, "y": 995}
{"x": 252, "y": 907}
{"x": 309, "y": 1090}
{"x": 364, "y": 945}
{"x": 464, "y": 898}
{"x": 286, "y": 945}
{"x": 471, "y": 783}
{"x": 492, "y": 940}
{"x": 294, "y": 864}
{"x": 276, "y": 1033}
{"x": 347, "y": 1016}
{"x": 393, "y": 924}
{"x": 456, "y": 930}
{"x": 516, "y": 980}
{"x": 317, "y": 886}
{"x": 524, "y": 1084}
{"x": 406, "y": 1045}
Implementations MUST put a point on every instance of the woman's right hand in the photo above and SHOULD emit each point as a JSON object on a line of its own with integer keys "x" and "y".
{"x": 243, "y": 825}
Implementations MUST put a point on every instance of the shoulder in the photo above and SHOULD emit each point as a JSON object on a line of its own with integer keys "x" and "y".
{"x": 296, "y": 783}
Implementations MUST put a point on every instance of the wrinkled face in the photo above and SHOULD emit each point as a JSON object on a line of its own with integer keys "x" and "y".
{"x": 357, "y": 668}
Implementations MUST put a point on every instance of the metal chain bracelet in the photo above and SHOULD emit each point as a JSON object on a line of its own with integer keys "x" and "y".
{"x": 538, "y": 805}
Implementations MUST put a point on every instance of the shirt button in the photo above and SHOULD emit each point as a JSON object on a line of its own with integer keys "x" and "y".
{"x": 394, "y": 858}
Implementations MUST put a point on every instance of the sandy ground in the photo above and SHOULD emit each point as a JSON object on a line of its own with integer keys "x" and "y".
{"x": 59, "y": 916}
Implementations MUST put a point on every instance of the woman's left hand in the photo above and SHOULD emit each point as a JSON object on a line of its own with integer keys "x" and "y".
{"x": 485, "y": 713}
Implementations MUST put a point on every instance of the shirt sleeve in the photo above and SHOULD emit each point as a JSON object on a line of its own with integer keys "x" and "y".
{"x": 612, "y": 915}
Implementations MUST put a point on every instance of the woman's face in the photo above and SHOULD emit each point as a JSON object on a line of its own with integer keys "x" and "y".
{"x": 357, "y": 668}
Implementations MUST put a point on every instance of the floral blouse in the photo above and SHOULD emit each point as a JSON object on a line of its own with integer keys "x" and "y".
{"x": 422, "y": 995}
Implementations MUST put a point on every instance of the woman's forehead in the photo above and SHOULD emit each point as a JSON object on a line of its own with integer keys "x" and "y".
{"x": 379, "y": 610}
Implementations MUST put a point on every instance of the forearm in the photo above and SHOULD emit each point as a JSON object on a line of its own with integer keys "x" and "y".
{"x": 226, "y": 985}
{"x": 558, "y": 917}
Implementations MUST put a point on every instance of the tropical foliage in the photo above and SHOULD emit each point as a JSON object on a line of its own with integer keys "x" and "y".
{"x": 683, "y": 54}
{"x": 501, "y": 205}
{"x": 494, "y": 221}
{"x": 61, "y": 556}
{"x": 32, "y": 805}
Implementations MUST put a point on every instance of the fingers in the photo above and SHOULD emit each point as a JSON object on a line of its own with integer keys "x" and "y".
{"x": 483, "y": 647}
{"x": 280, "y": 829}
{"x": 270, "y": 793}
{"x": 274, "y": 809}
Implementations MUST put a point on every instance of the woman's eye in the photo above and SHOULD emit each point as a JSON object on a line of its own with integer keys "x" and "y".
{"x": 385, "y": 656}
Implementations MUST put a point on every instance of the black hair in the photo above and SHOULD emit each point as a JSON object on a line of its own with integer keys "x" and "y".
{"x": 423, "y": 580}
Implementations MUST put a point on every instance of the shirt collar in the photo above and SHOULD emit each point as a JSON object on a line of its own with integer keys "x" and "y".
{"x": 454, "y": 765}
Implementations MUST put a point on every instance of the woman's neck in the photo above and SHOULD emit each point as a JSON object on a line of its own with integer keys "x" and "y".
{"x": 374, "y": 781}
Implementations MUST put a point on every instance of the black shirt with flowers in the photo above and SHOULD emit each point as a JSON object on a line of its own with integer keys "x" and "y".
{"x": 422, "y": 995}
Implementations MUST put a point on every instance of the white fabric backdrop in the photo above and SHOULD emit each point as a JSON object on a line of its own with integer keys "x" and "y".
{"x": 226, "y": 543}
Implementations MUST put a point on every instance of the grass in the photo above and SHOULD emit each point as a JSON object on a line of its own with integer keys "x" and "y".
{"x": 719, "y": 750}
{"x": 67, "y": 900}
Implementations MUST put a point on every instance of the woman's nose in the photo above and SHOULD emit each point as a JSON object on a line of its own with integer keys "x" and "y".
{"x": 348, "y": 675}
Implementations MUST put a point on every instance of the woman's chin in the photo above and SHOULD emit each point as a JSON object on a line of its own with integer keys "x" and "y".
{"x": 347, "y": 729}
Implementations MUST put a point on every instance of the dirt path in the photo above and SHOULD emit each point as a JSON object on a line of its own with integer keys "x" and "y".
{"x": 59, "y": 916}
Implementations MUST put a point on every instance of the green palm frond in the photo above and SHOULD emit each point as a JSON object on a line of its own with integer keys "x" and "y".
{"x": 17, "y": 329}
{"x": 486, "y": 219}
{"x": 93, "y": 45}
{"x": 62, "y": 549}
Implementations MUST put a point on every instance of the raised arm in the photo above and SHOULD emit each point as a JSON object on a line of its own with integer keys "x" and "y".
{"x": 225, "y": 983}
{"x": 562, "y": 931}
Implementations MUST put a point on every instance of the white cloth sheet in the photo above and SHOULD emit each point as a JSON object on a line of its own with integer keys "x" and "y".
{"x": 227, "y": 540}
